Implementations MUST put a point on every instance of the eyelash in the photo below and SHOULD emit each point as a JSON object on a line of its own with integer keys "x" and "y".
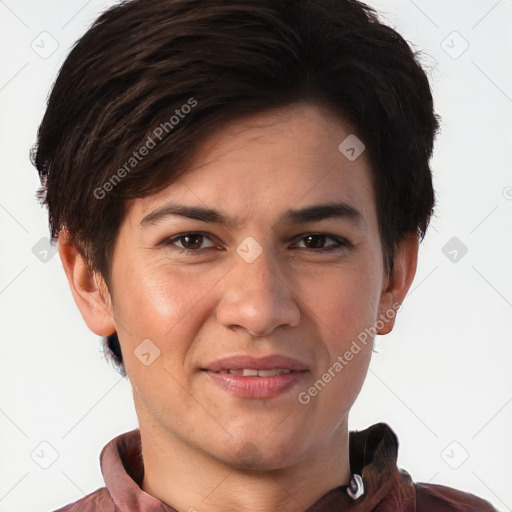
{"x": 342, "y": 244}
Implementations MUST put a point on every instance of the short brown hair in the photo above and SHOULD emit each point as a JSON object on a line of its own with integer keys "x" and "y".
{"x": 192, "y": 66}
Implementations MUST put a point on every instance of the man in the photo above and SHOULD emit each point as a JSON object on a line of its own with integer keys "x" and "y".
{"x": 238, "y": 190}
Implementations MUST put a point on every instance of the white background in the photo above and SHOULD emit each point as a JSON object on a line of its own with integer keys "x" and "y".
{"x": 441, "y": 379}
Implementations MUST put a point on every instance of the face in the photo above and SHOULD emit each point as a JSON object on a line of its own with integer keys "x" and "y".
{"x": 265, "y": 255}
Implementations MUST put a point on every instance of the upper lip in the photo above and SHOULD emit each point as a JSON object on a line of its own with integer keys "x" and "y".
{"x": 256, "y": 363}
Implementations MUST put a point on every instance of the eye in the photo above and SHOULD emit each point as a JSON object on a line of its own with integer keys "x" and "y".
{"x": 192, "y": 242}
{"x": 318, "y": 242}
{"x": 196, "y": 242}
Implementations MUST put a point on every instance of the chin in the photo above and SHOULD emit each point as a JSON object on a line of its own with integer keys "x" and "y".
{"x": 257, "y": 453}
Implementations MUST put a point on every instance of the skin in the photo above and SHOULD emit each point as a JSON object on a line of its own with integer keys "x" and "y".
{"x": 196, "y": 308}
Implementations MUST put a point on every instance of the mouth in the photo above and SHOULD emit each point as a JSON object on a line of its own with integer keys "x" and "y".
{"x": 251, "y": 377}
{"x": 253, "y": 372}
{"x": 240, "y": 363}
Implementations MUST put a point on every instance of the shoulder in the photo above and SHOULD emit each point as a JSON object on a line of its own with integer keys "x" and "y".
{"x": 446, "y": 499}
{"x": 97, "y": 501}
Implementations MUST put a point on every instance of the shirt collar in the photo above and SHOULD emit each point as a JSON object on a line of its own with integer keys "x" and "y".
{"x": 373, "y": 455}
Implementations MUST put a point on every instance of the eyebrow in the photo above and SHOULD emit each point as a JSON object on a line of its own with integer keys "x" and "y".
{"x": 312, "y": 213}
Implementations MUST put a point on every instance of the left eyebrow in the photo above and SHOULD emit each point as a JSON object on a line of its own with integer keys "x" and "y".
{"x": 313, "y": 213}
{"x": 320, "y": 212}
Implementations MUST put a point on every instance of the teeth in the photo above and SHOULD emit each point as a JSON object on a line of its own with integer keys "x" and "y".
{"x": 271, "y": 373}
{"x": 250, "y": 372}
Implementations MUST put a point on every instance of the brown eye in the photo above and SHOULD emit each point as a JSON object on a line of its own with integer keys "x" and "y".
{"x": 314, "y": 241}
{"x": 322, "y": 242}
{"x": 317, "y": 241}
{"x": 193, "y": 242}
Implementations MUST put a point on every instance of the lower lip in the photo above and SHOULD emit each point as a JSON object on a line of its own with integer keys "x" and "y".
{"x": 256, "y": 387}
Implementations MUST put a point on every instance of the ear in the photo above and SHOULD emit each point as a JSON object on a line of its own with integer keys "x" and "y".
{"x": 397, "y": 286}
{"x": 89, "y": 289}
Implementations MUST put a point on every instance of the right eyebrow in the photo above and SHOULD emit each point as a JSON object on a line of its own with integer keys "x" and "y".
{"x": 190, "y": 212}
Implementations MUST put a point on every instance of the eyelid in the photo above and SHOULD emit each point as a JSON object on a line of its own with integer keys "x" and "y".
{"x": 172, "y": 240}
{"x": 341, "y": 243}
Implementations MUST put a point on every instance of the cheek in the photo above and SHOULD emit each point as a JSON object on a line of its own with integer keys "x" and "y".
{"x": 156, "y": 298}
{"x": 165, "y": 305}
{"x": 345, "y": 317}
{"x": 345, "y": 312}
{"x": 347, "y": 301}
{"x": 346, "y": 306}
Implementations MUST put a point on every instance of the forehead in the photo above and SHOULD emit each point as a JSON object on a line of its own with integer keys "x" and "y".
{"x": 262, "y": 165}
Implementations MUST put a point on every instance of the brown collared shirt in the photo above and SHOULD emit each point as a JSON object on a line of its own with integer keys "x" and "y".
{"x": 373, "y": 456}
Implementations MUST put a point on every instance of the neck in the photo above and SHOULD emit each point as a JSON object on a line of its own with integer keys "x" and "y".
{"x": 190, "y": 480}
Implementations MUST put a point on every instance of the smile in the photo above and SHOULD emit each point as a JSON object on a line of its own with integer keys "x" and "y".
{"x": 251, "y": 383}
{"x": 246, "y": 372}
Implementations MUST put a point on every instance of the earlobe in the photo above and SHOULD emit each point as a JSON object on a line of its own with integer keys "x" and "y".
{"x": 406, "y": 259}
{"x": 88, "y": 289}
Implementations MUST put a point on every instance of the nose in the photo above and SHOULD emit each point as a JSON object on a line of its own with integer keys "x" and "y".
{"x": 257, "y": 297}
